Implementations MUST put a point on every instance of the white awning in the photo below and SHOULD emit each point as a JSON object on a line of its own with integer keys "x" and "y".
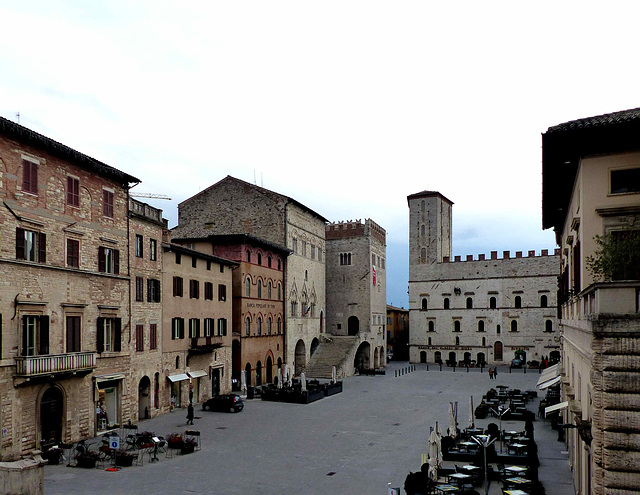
{"x": 550, "y": 383}
{"x": 178, "y": 378}
{"x": 549, "y": 373}
{"x": 555, "y": 407}
{"x": 106, "y": 378}
{"x": 197, "y": 374}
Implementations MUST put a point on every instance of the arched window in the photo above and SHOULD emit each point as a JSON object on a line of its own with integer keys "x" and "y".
{"x": 247, "y": 291}
{"x": 445, "y": 303}
{"x": 456, "y": 326}
{"x": 248, "y": 256}
{"x": 514, "y": 325}
{"x": 423, "y": 254}
{"x": 424, "y": 303}
{"x": 518, "y": 302}
{"x": 422, "y": 230}
{"x": 480, "y": 325}
{"x": 543, "y": 301}
{"x": 457, "y": 340}
{"x": 259, "y": 326}
{"x": 429, "y": 340}
{"x": 177, "y": 362}
{"x": 548, "y": 326}
{"x": 498, "y": 329}
{"x": 279, "y": 265}
{"x": 432, "y": 326}
{"x": 259, "y": 259}
{"x": 279, "y": 294}
{"x": 269, "y": 326}
{"x": 259, "y": 288}
{"x": 269, "y": 290}
{"x": 279, "y": 326}
{"x": 247, "y": 326}
{"x": 493, "y": 303}
{"x": 469, "y": 303}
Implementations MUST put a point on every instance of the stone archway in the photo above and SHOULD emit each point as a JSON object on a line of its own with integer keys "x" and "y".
{"x": 314, "y": 346}
{"x": 376, "y": 358}
{"x": 144, "y": 398}
{"x": 51, "y": 414}
{"x": 269, "y": 370}
{"x": 300, "y": 357}
{"x": 353, "y": 326}
{"x": 362, "y": 360}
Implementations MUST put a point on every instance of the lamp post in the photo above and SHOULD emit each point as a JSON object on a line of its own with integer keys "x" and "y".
{"x": 500, "y": 413}
{"x": 484, "y": 441}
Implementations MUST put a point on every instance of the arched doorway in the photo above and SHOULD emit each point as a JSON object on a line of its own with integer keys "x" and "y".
{"x": 497, "y": 351}
{"x": 144, "y": 399}
{"x": 362, "y": 361}
{"x": 301, "y": 357}
{"x": 314, "y": 346}
{"x": 51, "y": 412}
{"x": 423, "y": 356}
{"x": 269, "y": 370}
{"x": 437, "y": 357}
{"x": 376, "y": 358}
{"x": 353, "y": 325}
{"x": 521, "y": 355}
{"x": 258, "y": 374}
{"x": 452, "y": 359}
{"x": 467, "y": 358}
{"x": 247, "y": 371}
{"x": 480, "y": 359}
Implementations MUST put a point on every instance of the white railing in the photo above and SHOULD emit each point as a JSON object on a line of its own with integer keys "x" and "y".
{"x": 55, "y": 363}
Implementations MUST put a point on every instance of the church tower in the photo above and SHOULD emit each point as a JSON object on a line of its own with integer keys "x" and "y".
{"x": 429, "y": 228}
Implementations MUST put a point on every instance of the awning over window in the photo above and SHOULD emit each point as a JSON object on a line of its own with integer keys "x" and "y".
{"x": 550, "y": 383}
{"x": 555, "y": 407}
{"x": 106, "y": 378}
{"x": 197, "y": 374}
{"x": 548, "y": 374}
{"x": 178, "y": 378}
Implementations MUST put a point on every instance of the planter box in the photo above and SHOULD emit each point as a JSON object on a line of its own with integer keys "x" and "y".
{"x": 187, "y": 449}
{"x": 86, "y": 462}
{"x": 124, "y": 460}
{"x": 332, "y": 388}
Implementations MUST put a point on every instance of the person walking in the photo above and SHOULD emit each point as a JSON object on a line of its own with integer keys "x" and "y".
{"x": 190, "y": 413}
{"x": 495, "y": 372}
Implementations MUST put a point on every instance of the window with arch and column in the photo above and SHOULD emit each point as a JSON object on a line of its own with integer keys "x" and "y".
{"x": 247, "y": 289}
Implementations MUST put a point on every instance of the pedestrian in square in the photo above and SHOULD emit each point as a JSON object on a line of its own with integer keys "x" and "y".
{"x": 190, "y": 413}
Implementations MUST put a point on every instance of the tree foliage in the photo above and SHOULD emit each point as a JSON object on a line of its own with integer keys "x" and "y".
{"x": 617, "y": 256}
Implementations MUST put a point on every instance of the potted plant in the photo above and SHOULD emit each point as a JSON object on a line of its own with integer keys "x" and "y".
{"x": 124, "y": 459}
{"x": 87, "y": 459}
{"x": 188, "y": 446}
{"x": 175, "y": 441}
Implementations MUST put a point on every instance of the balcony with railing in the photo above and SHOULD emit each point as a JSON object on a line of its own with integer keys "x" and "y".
{"x": 31, "y": 366}
{"x": 144, "y": 210}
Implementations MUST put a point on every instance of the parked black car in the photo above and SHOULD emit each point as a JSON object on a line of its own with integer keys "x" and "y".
{"x": 226, "y": 403}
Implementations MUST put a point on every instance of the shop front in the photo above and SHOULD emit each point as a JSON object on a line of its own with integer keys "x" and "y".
{"x": 109, "y": 390}
{"x": 176, "y": 389}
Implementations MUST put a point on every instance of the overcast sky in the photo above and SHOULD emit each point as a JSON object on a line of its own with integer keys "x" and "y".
{"x": 346, "y": 106}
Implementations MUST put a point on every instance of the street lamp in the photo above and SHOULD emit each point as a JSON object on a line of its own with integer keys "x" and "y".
{"x": 500, "y": 412}
{"x": 484, "y": 441}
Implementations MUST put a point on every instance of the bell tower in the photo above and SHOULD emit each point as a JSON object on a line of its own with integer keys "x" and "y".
{"x": 429, "y": 228}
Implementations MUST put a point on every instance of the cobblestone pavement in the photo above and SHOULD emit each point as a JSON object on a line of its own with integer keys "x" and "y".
{"x": 356, "y": 442}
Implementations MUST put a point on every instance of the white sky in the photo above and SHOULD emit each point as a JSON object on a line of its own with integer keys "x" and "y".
{"x": 347, "y": 106}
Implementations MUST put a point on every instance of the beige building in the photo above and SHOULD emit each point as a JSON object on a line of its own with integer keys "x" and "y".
{"x": 197, "y": 321}
{"x": 476, "y": 311}
{"x": 591, "y": 187}
{"x": 232, "y": 206}
{"x": 64, "y": 293}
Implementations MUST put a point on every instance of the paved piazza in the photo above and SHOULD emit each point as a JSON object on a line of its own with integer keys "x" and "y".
{"x": 356, "y": 442}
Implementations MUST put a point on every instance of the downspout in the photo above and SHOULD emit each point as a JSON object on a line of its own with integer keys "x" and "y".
{"x": 285, "y": 296}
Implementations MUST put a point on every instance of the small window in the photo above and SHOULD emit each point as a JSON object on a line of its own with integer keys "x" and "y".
{"x": 625, "y": 181}
{"x": 222, "y": 292}
{"x": 194, "y": 289}
{"x": 139, "y": 241}
{"x": 269, "y": 261}
{"x": 279, "y": 265}
{"x": 107, "y": 203}
{"x": 548, "y": 326}
{"x": 260, "y": 259}
{"x": 432, "y": 326}
{"x": 514, "y": 325}
{"x": 29, "y": 177}
{"x": 269, "y": 290}
{"x": 139, "y": 289}
{"x": 259, "y": 326}
{"x": 247, "y": 326}
{"x": 73, "y": 333}
{"x": 177, "y": 286}
{"x": 31, "y": 246}
{"x": 248, "y": 256}
{"x": 424, "y": 303}
{"x": 73, "y": 253}
{"x": 222, "y": 327}
{"x": 498, "y": 329}
{"x": 469, "y": 303}
{"x": 247, "y": 287}
{"x": 480, "y": 325}
{"x": 177, "y": 328}
{"x": 108, "y": 260}
{"x": 457, "y": 326}
{"x": 517, "y": 302}
{"x": 445, "y": 303}
{"x": 139, "y": 338}
{"x": 208, "y": 265}
{"x": 543, "y": 301}
{"x": 457, "y": 340}
{"x": 73, "y": 192}
{"x": 153, "y": 336}
{"x": 259, "y": 289}
{"x": 194, "y": 328}
{"x": 279, "y": 292}
{"x": 153, "y": 290}
{"x": 208, "y": 291}
{"x": 279, "y": 326}
{"x": 109, "y": 335}
{"x": 194, "y": 262}
{"x": 269, "y": 326}
{"x": 178, "y": 258}
{"x": 493, "y": 303}
{"x": 153, "y": 249}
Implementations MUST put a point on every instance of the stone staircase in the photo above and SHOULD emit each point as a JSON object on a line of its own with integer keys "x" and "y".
{"x": 335, "y": 351}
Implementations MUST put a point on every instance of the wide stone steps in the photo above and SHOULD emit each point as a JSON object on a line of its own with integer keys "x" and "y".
{"x": 328, "y": 354}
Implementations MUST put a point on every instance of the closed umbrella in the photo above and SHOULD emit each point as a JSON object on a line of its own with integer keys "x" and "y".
{"x": 333, "y": 374}
{"x": 453, "y": 427}
{"x": 303, "y": 381}
{"x": 243, "y": 381}
{"x": 279, "y": 374}
{"x": 434, "y": 454}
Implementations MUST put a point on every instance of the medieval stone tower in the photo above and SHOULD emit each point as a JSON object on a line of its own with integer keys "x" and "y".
{"x": 429, "y": 228}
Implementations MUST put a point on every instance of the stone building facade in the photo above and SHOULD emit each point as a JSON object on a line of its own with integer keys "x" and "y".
{"x": 232, "y": 206}
{"x": 485, "y": 310}
{"x": 591, "y": 187}
{"x": 197, "y": 321}
{"x": 64, "y": 292}
{"x": 357, "y": 287}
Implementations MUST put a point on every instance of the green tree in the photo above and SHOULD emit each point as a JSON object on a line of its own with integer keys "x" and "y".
{"x": 617, "y": 256}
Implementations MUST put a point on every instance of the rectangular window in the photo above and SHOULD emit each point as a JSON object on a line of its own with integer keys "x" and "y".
{"x": 295, "y": 245}
{"x": 35, "y": 335}
{"x": 73, "y": 191}
{"x": 209, "y": 265}
{"x": 208, "y": 291}
{"x": 139, "y": 338}
{"x": 139, "y": 241}
{"x": 109, "y": 335}
{"x": 73, "y": 333}
{"x": 73, "y": 253}
{"x": 107, "y": 203}
{"x": 625, "y": 181}
{"x": 139, "y": 289}
{"x": 153, "y": 249}
{"x": 313, "y": 252}
{"x": 177, "y": 286}
{"x": 31, "y": 246}
{"x": 177, "y": 328}
{"x": 194, "y": 328}
{"x": 153, "y": 290}
{"x": 29, "y": 177}
{"x": 209, "y": 327}
{"x": 178, "y": 258}
{"x": 222, "y": 292}
{"x": 108, "y": 260}
{"x": 304, "y": 248}
{"x": 319, "y": 254}
{"x": 222, "y": 327}
{"x": 194, "y": 262}
{"x": 194, "y": 289}
{"x": 153, "y": 336}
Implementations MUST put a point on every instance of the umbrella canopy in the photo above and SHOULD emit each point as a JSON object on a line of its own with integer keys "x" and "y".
{"x": 453, "y": 427}
{"x": 243, "y": 381}
{"x": 434, "y": 454}
{"x": 303, "y": 381}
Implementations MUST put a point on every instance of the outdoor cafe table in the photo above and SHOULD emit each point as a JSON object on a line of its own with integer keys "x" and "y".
{"x": 515, "y": 469}
{"x": 469, "y": 467}
{"x": 519, "y": 447}
{"x": 459, "y": 477}
{"x": 474, "y": 431}
{"x": 518, "y": 480}
{"x": 467, "y": 445}
{"x": 448, "y": 488}
{"x": 515, "y": 492}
